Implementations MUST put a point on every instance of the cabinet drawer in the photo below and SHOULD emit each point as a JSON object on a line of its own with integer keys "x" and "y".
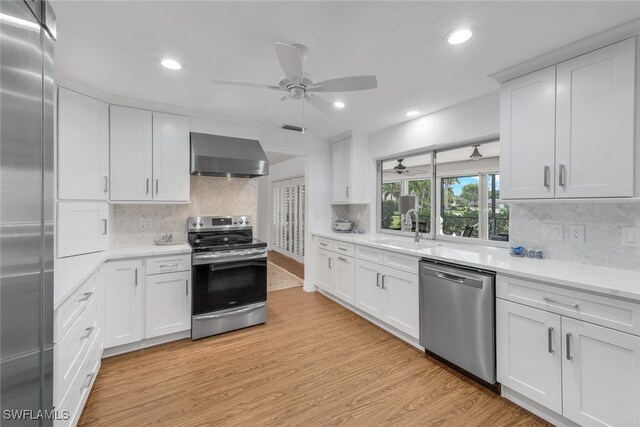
{"x": 323, "y": 243}
{"x": 70, "y": 351}
{"x": 401, "y": 262}
{"x": 169, "y": 264}
{"x": 370, "y": 254}
{"x": 344, "y": 248}
{"x": 610, "y": 312}
{"x": 69, "y": 311}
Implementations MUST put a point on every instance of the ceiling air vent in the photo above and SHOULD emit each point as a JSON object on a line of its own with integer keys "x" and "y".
{"x": 293, "y": 128}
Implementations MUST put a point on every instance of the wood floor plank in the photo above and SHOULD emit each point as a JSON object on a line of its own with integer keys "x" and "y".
{"x": 314, "y": 363}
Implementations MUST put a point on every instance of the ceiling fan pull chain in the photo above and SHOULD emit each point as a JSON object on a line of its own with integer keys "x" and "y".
{"x": 303, "y": 115}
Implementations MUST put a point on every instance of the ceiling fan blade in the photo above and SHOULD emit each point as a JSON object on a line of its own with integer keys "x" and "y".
{"x": 273, "y": 106}
{"x": 321, "y": 104}
{"x": 244, "y": 84}
{"x": 345, "y": 84}
{"x": 290, "y": 61}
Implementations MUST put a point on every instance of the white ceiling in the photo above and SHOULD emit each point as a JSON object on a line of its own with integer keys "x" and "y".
{"x": 275, "y": 158}
{"x": 115, "y": 46}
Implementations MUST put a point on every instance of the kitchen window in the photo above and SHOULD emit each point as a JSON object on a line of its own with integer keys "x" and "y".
{"x": 466, "y": 186}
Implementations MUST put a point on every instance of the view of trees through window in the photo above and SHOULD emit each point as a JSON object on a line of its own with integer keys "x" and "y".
{"x": 468, "y": 202}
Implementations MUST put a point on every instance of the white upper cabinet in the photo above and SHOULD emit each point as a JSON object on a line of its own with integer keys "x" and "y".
{"x": 131, "y": 154}
{"x": 527, "y": 136}
{"x": 83, "y": 147}
{"x": 149, "y": 156}
{"x": 567, "y": 131}
{"x": 171, "y": 173}
{"x": 595, "y": 123}
{"x": 348, "y": 160}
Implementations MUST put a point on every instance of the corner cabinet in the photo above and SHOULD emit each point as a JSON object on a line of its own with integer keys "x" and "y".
{"x": 83, "y": 147}
{"x": 567, "y": 131}
{"x": 83, "y": 227}
{"x": 349, "y": 162}
{"x": 149, "y": 156}
{"x": 573, "y": 353}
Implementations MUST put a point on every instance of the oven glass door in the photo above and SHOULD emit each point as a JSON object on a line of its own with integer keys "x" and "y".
{"x": 226, "y": 285}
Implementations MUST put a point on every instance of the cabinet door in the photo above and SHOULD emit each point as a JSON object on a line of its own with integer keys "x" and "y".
{"x": 168, "y": 303}
{"x": 123, "y": 282}
{"x": 131, "y": 154}
{"x": 344, "y": 278}
{"x": 368, "y": 288}
{"x": 324, "y": 270}
{"x": 171, "y": 172}
{"x": 400, "y": 300}
{"x": 527, "y": 136}
{"x": 83, "y": 147}
{"x": 83, "y": 227}
{"x": 595, "y": 123}
{"x": 528, "y": 351}
{"x": 341, "y": 167}
{"x": 600, "y": 375}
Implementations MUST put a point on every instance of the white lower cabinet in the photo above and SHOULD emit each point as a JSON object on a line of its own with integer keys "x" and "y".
{"x": 324, "y": 270}
{"x": 344, "y": 278}
{"x": 600, "y": 375}
{"x": 168, "y": 303}
{"x": 585, "y": 372}
{"x": 123, "y": 283}
{"x": 368, "y": 295}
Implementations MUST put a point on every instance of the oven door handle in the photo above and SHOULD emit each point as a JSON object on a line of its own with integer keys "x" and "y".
{"x": 230, "y": 313}
{"x": 199, "y": 259}
{"x": 238, "y": 263}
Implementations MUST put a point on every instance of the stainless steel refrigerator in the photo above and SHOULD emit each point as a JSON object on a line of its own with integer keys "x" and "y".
{"x": 27, "y": 34}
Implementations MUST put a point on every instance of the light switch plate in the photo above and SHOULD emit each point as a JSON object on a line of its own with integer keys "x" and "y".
{"x": 144, "y": 224}
{"x": 553, "y": 232}
{"x": 576, "y": 233}
{"x": 630, "y": 237}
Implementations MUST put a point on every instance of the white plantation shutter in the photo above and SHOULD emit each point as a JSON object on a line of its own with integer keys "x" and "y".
{"x": 289, "y": 217}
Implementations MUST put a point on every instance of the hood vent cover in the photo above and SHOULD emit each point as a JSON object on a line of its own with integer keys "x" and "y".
{"x": 293, "y": 128}
{"x": 216, "y": 155}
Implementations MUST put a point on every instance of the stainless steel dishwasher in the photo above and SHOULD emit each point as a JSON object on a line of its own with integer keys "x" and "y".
{"x": 457, "y": 316}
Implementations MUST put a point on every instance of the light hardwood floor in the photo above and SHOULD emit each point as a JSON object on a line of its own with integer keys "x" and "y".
{"x": 314, "y": 363}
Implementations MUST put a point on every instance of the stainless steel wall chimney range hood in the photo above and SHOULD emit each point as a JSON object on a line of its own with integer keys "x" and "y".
{"x": 216, "y": 155}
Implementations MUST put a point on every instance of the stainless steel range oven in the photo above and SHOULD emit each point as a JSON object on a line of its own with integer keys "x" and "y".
{"x": 229, "y": 269}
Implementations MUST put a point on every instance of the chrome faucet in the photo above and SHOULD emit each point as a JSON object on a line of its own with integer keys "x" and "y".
{"x": 407, "y": 221}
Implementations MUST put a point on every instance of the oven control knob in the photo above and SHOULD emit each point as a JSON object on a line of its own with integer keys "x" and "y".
{"x": 235, "y": 221}
{"x": 242, "y": 221}
{"x": 246, "y": 221}
{"x": 200, "y": 224}
{"x": 193, "y": 224}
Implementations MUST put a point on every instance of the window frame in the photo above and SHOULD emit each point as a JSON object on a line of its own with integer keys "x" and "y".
{"x": 436, "y": 200}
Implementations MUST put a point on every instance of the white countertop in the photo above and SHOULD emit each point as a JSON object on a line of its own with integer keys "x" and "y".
{"x": 71, "y": 272}
{"x": 602, "y": 280}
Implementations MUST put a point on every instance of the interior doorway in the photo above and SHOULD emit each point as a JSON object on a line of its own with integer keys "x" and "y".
{"x": 288, "y": 201}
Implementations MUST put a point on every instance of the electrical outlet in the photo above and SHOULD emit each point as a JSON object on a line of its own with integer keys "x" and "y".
{"x": 144, "y": 224}
{"x": 630, "y": 237}
{"x": 576, "y": 233}
{"x": 553, "y": 232}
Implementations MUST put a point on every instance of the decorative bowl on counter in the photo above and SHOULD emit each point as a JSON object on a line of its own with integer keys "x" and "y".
{"x": 342, "y": 225}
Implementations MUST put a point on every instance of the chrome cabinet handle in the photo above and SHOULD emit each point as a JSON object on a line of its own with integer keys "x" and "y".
{"x": 347, "y": 191}
{"x": 550, "y": 340}
{"x": 147, "y": 185}
{"x": 106, "y": 183}
{"x": 104, "y": 226}
{"x": 342, "y": 249}
{"x": 547, "y": 176}
{"x": 384, "y": 277}
{"x": 329, "y": 262}
{"x": 323, "y": 244}
{"x": 552, "y": 301}
{"x": 169, "y": 265}
{"x": 562, "y": 170}
{"x": 157, "y": 186}
{"x": 86, "y": 296}
{"x": 186, "y": 286}
{"x": 377, "y": 280}
{"x": 89, "y": 331}
{"x": 569, "y": 357}
{"x": 342, "y": 259}
{"x": 136, "y": 277}
{"x": 87, "y": 382}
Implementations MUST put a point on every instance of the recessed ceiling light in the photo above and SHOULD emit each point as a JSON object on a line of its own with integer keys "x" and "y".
{"x": 412, "y": 113}
{"x": 338, "y": 104}
{"x": 459, "y": 35}
{"x": 171, "y": 64}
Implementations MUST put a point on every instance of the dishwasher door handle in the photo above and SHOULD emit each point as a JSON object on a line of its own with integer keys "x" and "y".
{"x": 463, "y": 280}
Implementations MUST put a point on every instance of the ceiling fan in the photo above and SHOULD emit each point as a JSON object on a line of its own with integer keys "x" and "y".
{"x": 300, "y": 85}
{"x": 400, "y": 168}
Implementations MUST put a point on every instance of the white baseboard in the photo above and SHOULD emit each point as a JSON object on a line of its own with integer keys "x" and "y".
{"x": 309, "y": 286}
{"x": 404, "y": 337}
{"x": 126, "y": 348}
{"x": 537, "y": 409}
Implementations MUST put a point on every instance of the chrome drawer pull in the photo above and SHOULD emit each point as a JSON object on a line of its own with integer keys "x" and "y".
{"x": 342, "y": 259}
{"x": 552, "y": 301}
{"x": 342, "y": 249}
{"x": 87, "y": 295}
{"x": 169, "y": 265}
{"x": 323, "y": 244}
{"x": 378, "y": 280}
{"x": 89, "y": 331}
{"x": 550, "y": 339}
{"x": 384, "y": 276}
{"x": 87, "y": 382}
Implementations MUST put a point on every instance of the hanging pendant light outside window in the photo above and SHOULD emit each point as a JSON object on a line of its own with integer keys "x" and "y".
{"x": 475, "y": 156}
